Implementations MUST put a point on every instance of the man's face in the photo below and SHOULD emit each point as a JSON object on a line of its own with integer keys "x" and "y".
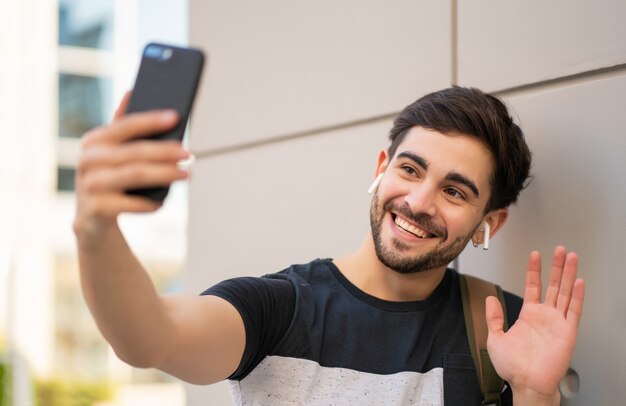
{"x": 430, "y": 200}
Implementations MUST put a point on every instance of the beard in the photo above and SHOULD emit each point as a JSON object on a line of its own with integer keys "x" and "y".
{"x": 397, "y": 257}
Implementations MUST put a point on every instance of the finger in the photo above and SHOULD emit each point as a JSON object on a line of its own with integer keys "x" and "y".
{"x": 111, "y": 205}
{"x": 567, "y": 283}
{"x": 140, "y": 151}
{"x": 576, "y": 305}
{"x": 558, "y": 261}
{"x": 494, "y": 315}
{"x": 132, "y": 176}
{"x": 121, "y": 109}
{"x": 532, "y": 291}
{"x": 132, "y": 126}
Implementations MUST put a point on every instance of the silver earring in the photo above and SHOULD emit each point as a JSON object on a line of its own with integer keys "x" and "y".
{"x": 475, "y": 244}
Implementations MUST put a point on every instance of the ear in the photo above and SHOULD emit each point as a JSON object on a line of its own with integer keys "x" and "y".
{"x": 382, "y": 162}
{"x": 496, "y": 219}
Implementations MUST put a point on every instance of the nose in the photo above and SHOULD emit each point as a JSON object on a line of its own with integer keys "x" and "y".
{"x": 422, "y": 198}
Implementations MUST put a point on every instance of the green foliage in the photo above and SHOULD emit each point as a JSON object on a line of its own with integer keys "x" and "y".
{"x": 65, "y": 393}
{"x": 5, "y": 383}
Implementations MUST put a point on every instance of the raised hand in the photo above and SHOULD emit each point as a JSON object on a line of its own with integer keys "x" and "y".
{"x": 109, "y": 165}
{"x": 534, "y": 354}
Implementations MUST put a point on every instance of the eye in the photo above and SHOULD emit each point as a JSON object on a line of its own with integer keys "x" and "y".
{"x": 409, "y": 169}
{"x": 455, "y": 193}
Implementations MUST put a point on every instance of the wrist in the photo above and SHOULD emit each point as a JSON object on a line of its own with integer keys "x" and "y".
{"x": 526, "y": 396}
{"x": 90, "y": 233}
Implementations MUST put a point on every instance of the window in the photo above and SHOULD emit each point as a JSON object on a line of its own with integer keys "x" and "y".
{"x": 84, "y": 103}
{"x": 85, "y": 84}
{"x": 86, "y": 24}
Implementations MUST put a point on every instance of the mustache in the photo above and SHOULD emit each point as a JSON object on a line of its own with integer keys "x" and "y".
{"x": 421, "y": 219}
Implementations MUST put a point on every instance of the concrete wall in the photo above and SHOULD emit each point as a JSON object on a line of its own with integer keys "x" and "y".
{"x": 297, "y": 101}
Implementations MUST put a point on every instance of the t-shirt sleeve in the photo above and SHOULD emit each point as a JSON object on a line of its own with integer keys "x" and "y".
{"x": 266, "y": 306}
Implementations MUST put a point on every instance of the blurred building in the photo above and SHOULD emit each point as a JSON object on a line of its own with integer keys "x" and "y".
{"x": 70, "y": 62}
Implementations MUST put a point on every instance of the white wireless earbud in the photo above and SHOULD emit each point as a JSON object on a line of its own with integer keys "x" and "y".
{"x": 486, "y": 236}
{"x": 375, "y": 184}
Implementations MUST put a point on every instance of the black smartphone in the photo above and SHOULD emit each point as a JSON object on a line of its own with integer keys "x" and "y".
{"x": 168, "y": 78}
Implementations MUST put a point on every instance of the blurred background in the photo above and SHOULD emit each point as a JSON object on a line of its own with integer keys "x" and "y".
{"x": 64, "y": 66}
{"x": 296, "y": 101}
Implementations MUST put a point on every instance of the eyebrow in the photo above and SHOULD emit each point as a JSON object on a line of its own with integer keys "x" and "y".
{"x": 452, "y": 176}
{"x": 458, "y": 178}
{"x": 415, "y": 158}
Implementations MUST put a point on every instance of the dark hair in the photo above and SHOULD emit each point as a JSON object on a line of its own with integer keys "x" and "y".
{"x": 471, "y": 112}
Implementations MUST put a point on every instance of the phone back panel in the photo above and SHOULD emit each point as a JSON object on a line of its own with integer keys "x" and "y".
{"x": 168, "y": 78}
{"x": 167, "y": 83}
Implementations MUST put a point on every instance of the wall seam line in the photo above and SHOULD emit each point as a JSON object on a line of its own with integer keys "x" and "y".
{"x": 506, "y": 92}
{"x": 454, "y": 42}
{"x": 561, "y": 80}
{"x": 292, "y": 136}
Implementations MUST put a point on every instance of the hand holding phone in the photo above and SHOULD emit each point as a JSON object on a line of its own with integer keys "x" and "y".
{"x": 168, "y": 78}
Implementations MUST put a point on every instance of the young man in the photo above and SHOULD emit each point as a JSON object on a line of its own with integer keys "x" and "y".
{"x": 382, "y": 325}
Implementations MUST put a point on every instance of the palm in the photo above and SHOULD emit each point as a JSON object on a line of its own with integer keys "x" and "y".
{"x": 535, "y": 352}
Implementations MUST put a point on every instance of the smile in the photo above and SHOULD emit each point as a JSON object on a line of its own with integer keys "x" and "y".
{"x": 410, "y": 228}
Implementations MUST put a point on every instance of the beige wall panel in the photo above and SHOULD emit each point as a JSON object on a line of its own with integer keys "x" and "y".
{"x": 258, "y": 211}
{"x": 510, "y": 43}
{"x": 280, "y": 67}
{"x": 577, "y": 198}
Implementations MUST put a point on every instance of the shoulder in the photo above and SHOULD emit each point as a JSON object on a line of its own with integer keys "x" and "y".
{"x": 267, "y": 306}
{"x": 311, "y": 271}
{"x": 289, "y": 282}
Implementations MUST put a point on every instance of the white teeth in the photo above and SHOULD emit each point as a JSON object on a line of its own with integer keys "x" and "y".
{"x": 411, "y": 229}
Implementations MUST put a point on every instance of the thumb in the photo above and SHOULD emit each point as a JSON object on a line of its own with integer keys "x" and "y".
{"x": 494, "y": 316}
{"x": 121, "y": 109}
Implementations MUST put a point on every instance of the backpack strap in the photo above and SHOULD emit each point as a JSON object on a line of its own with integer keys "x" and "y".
{"x": 474, "y": 291}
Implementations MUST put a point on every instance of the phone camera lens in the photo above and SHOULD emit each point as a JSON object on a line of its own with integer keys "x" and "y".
{"x": 158, "y": 52}
{"x": 166, "y": 54}
{"x": 153, "y": 51}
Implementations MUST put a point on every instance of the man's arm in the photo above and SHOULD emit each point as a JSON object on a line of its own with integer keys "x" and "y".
{"x": 198, "y": 339}
{"x": 534, "y": 354}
